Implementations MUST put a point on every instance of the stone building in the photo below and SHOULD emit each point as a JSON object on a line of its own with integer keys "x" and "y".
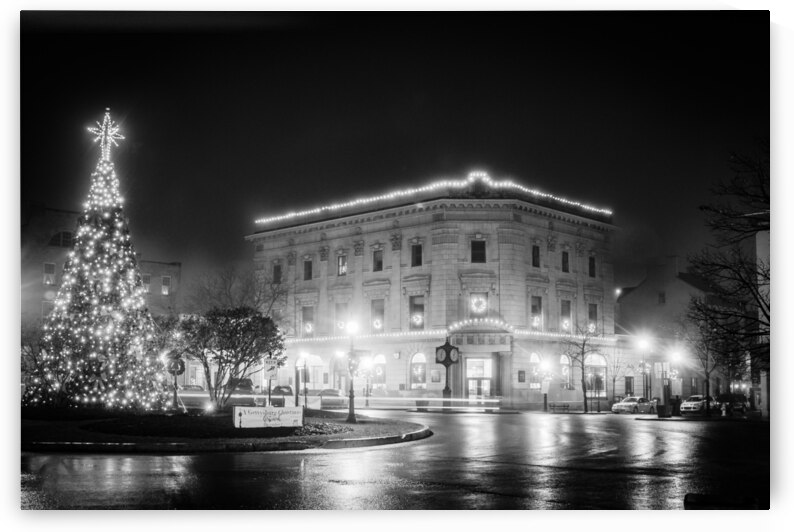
{"x": 511, "y": 275}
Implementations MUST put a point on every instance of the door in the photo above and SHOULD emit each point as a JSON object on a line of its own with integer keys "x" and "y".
{"x": 479, "y": 374}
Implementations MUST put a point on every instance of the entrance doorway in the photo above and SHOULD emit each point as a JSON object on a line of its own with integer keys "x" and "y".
{"x": 479, "y": 374}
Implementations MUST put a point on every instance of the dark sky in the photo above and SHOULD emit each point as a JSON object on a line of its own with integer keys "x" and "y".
{"x": 230, "y": 117}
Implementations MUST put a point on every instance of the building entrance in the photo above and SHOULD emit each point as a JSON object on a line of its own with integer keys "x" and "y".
{"x": 479, "y": 373}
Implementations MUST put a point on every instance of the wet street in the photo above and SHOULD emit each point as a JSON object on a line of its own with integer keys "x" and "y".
{"x": 473, "y": 461}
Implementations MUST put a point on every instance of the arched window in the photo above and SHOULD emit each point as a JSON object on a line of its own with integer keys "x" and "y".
{"x": 379, "y": 372}
{"x": 419, "y": 372}
{"x": 595, "y": 369}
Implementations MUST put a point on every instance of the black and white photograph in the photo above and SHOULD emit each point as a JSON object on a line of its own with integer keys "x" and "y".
{"x": 396, "y": 260}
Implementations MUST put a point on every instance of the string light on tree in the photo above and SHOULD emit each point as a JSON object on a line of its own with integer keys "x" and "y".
{"x": 96, "y": 338}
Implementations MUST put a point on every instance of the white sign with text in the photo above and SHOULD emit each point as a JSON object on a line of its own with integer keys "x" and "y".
{"x": 247, "y": 417}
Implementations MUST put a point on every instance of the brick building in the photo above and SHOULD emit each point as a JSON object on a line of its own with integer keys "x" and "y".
{"x": 47, "y": 238}
{"x": 507, "y": 273}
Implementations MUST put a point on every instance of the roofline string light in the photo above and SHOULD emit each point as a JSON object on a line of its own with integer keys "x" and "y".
{"x": 452, "y": 329}
{"x": 447, "y": 183}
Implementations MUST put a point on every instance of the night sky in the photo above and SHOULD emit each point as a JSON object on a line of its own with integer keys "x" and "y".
{"x": 231, "y": 117}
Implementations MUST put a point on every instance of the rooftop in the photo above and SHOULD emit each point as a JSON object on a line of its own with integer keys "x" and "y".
{"x": 475, "y": 185}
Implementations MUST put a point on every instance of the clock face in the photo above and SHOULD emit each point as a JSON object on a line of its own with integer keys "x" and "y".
{"x": 453, "y": 355}
{"x": 441, "y": 355}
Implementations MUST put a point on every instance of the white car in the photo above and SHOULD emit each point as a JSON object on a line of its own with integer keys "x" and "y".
{"x": 635, "y": 405}
{"x": 696, "y": 404}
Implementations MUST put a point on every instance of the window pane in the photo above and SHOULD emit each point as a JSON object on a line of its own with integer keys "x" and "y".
{"x": 417, "y": 312}
{"x": 565, "y": 314}
{"x": 308, "y": 319}
{"x": 166, "y": 285}
{"x": 416, "y": 255}
{"x": 478, "y": 251}
{"x": 341, "y": 265}
{"x": 565, "y": 261}
{"x": 536, "y": 311}
{"x": 341, "y": 316}
{"x": 536, "y": 256}
{"x": 307, "y": 270}
{"x": 377, "y": 260}
{"x": 591, "y": 267}
{"x": 276, "y": 273}
{"x": 377, "y": 314}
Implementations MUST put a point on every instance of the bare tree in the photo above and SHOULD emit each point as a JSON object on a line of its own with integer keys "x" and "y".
{"x": 578, "y": 346}
{"x": 617, "y": 366}
{"x": 704, "y": 343}
{"x": 738, "y": 274}
{"x": 236, "y": 286}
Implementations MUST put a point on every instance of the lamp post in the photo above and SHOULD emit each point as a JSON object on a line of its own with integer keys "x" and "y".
{"x": 644, "y": 344}
{"x": 544, "y": 368}
{"x": 352, "y": 366}
{"x": 447, "y": 355}
{"x": 366, "y": 365}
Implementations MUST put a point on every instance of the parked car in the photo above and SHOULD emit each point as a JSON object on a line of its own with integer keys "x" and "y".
{"x": 332, "y": 399}
{"x": 696, "y": 404}
{"x": 635, "y": 405}
{"x": 734, "y": 402}
{"x": 242, "y": 393}
{"x": 194, "y": 397}
{"x": 279, "y": 395}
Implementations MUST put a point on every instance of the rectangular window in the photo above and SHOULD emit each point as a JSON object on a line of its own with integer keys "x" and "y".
{"x": 166, "y": 285}
{"x": 416, "y": 255}
{"x": 536, "y": 256}
{"x": 146, "y": 281}
{"x": 277, "y": 274}
{"x": 592, "y": 312}
{"x": 536, "y": 312}
{"x": 376, "y": 309}
{"x": 565, "y": 314}
{"x": 307, "y": 270}
{"x": 662, "y": 298}
{"x": 49, "y": 273}
{"x": 591, "y": 267}
{"x": 341, "y": 316}
{"x": 478, "y": 250}
{"x": 565, "y": 266}
{"x": 628, "y": 388}
{"x": 307, "y": 315}
{"x": 416, "y": 310}
{"x": 377, "y": 260}
{"x": 341, "y": 265}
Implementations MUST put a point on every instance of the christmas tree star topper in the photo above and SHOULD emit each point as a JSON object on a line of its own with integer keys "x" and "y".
{"x": 107, "y": 133}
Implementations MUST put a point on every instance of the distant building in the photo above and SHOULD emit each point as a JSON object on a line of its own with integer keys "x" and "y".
{"x": 655, "y": 309}
{"x": 505, "y": 272}
{"x": 48, "y": 237}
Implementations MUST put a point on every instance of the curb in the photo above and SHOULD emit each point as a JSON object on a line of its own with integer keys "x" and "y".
{"x": 422, "y": 433}
{"x": 215, "y": 447}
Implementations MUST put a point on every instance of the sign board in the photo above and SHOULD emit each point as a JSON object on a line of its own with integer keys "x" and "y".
{"x": 246, "y": 417}
{"x": 544, "y": 386}
{"x": 270, "y": 365}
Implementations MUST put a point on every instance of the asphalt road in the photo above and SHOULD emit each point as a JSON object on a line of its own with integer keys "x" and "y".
{"x": 473, "y": 461}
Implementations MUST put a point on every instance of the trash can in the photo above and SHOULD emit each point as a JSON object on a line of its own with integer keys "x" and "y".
{"x": 664, "y": 410}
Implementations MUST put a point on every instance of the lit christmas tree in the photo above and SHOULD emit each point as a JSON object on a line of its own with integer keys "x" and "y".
{"x": 97, "y": 337}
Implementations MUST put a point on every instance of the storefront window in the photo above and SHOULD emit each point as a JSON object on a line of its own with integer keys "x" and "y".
{"x": 535, "y": 373}
{"x": 379, "y": 372}
{"x": 566, "y": 372}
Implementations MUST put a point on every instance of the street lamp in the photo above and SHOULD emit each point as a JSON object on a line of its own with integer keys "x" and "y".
{"x": 544, "y": 368}
{"x": 352, "y": 366}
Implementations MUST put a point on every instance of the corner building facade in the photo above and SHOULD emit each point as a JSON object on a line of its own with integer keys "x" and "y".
{"x": 507, "y": 273}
